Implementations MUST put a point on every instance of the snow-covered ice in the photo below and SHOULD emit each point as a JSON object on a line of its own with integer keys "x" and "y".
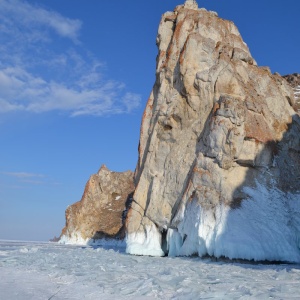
{"x": 38, "y": 271}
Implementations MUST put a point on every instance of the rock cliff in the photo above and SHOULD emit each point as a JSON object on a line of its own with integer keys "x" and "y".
{"x": 218, "y": 170}
{"x": 102, "y": 210}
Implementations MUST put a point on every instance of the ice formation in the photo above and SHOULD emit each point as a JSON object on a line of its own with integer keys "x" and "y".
{"x": 265, "y": 227}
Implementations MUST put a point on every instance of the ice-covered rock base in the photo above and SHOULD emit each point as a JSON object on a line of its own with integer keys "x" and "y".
{"x": 74, "y": 239}
{"x": 265, "y": 227}
{"x": 77, "y": 239}
{"x": 145, "y": 244}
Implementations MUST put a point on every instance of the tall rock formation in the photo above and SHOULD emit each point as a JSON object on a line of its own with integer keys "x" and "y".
{"x": 102, "y": 210}
{"x": 218, "y": 170}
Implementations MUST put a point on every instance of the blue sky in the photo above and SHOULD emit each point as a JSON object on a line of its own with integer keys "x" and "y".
{"x": 74, "y": 80}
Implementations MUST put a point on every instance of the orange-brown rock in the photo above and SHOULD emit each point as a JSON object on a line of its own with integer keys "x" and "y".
{"x": 102, "y": 210}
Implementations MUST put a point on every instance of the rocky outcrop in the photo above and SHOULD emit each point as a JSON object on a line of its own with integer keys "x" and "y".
{"x": 294, "y": 81}
{"x": 102, "y": 210}
{"x": 218, "y": 170}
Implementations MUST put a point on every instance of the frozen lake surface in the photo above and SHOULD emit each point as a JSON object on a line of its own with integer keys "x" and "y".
{"x": 51, "y": 271}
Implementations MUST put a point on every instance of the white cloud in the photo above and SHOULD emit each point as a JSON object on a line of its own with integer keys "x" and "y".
{"x": 39, "y": 75}
{"x": 23, "y": 175}
{"x": 131, "y": 101}
{"x": 22, "y": 179}
{"x": 34, "y": 182}
{"x": 32, "y": 16}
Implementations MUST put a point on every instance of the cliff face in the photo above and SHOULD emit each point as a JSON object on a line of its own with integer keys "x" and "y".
{"x": 219, "y": 149}
{"x": 102, "y": 209}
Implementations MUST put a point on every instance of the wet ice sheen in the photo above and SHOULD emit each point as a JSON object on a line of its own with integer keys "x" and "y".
{"x": 45, "y": 270}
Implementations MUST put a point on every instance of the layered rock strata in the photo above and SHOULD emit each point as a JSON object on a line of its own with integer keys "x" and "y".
{"x": 218, "y": 170}
{"x": 102, "y": 210}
